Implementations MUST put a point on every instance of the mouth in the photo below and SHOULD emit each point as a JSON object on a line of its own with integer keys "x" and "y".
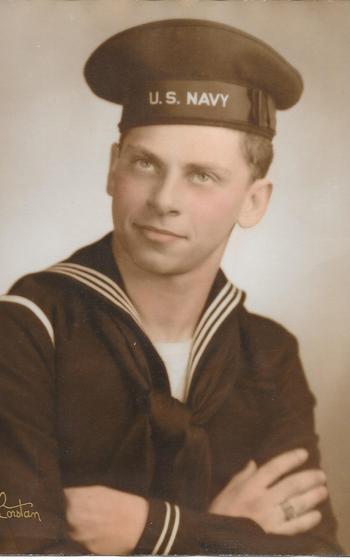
{"x": 158, "y": 234}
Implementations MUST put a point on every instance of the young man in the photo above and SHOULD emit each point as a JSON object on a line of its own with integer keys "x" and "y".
{"x": 143, "y": 408}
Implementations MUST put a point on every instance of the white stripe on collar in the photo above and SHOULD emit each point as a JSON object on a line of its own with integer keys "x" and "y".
{"x": 222, "y": 305}
{"x": 101, "y": 283}
{"x": 35, "y": 309}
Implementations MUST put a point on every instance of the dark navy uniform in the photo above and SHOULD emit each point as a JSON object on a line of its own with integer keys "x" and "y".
{"x": 85, "y": 399}
{"x": 84, "y": 396}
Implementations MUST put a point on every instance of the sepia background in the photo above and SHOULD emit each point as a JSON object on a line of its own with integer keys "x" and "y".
{"x": 55, "y": 138}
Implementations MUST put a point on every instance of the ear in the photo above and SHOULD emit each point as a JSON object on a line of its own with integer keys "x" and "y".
{"x": 255, "y": 203}
{"x": 113, "y": 160}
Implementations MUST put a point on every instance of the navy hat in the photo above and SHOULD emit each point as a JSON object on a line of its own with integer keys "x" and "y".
{"x": 188, "y": 71}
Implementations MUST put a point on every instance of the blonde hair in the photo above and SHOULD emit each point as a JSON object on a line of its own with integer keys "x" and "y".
{"x": 258, "y": 153}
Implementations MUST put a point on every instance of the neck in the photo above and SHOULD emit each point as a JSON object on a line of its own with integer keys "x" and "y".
{"x": 169, "y": 306}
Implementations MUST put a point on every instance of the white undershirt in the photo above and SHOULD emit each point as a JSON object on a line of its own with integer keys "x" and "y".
{"x": 175, "y": 356}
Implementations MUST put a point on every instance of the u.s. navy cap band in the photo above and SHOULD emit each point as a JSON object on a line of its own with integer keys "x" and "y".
{"x": 188, "y": 71}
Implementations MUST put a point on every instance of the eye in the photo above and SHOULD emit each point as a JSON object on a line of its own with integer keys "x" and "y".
{"x": 202, "y": 178}
{"x": 143, "y": 163}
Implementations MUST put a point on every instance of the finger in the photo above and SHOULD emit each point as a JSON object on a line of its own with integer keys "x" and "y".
{"x": 271, "y": 471}
{"x": 308, "y": 501}
{"x": 300, "y": 524}
{"x": 298, "y": 483}
{"x": 244, "y": 474}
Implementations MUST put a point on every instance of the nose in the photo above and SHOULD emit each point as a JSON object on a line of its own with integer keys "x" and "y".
{"x": 164, "y": 196}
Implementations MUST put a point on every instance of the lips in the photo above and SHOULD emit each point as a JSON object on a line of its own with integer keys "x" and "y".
{"x": 166, "y": 233}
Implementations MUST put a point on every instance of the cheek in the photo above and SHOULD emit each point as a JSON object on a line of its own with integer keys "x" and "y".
{"x": 219, "y": 214}
{"x": 128, "y": 195}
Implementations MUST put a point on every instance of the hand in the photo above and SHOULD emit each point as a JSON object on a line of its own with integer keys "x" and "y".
{"x": 104, "y": 520}
{"x": 284, "y": 507}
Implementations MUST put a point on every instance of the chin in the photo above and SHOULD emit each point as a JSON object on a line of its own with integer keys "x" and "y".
{"x": 168, "y": 263}
{"x": 160, "y": 266}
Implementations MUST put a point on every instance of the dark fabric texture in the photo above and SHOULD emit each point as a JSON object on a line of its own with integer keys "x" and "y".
{"x": 148, "y": 69}
{"x": 98, "y": 410}
{"x": 189, "y": 49}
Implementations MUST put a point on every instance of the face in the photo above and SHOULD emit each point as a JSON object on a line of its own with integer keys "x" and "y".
{"x": 178, "y": 191}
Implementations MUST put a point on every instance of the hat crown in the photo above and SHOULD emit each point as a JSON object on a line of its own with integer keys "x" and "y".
{"x": 190, "y": 49}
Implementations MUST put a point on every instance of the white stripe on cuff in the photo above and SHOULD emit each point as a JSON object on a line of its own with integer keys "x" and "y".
{"x": 164, "y": 530}
{"x": 174, "y": 531}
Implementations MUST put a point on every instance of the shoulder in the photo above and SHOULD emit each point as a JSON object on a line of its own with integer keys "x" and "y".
{"x": 42, "y": 289}
{"x": 31, "y": 306}
{"x": 40, "y": 297}
{"x": 47, "y": 288}
{"x": 64, "y": 293}
{"x": 264, "y": 334}
{"x": 268, "y": 349}
{"x": 270, "y": 361}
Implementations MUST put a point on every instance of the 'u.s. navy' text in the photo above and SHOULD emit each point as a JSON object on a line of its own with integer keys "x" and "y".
{"x": 191, "y": 98}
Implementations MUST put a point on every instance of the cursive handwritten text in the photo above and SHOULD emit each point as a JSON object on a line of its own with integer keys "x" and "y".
{"x": 20, "y": 510}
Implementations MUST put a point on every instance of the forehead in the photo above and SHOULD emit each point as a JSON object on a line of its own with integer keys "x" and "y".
{"x": 187, "y": 142}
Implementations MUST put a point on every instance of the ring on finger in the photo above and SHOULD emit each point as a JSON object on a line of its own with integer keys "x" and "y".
{"x": 288, "y": 510}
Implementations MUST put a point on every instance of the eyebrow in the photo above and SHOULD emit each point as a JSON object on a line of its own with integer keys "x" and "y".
{"x": 143, "y": 151}
{"x": 204, "y": 166}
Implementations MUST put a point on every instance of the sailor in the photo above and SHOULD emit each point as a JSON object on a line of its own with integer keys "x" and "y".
{"x": 143, "y": 408}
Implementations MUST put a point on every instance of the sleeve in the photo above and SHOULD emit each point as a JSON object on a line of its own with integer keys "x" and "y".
{"x": 32, "y": 518}
{"x": 286, "y": 408}
{"x": 178, "y": 531}
{"x": 32, "y": 508}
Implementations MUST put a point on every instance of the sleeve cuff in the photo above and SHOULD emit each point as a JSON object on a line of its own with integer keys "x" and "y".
{"x": 160, "y": 531}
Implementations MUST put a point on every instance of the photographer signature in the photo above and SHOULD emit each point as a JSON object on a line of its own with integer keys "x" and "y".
{"x": 20, "y": 510}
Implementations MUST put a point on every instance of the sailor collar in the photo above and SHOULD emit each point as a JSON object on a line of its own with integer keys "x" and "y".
{"x": 95, "y": 268}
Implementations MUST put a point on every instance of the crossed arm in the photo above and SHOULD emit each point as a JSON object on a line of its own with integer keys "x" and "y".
{"x": 246, "y": 517}
{"x": 107, "y": 521}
